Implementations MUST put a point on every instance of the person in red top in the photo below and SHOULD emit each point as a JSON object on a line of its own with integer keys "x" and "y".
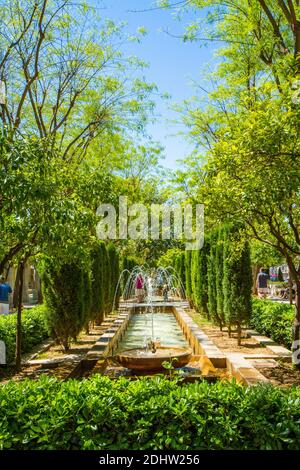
{"x": 139, "y": 288}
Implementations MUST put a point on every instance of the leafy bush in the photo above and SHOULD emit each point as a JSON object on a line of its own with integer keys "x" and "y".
{"x": 34, "y": 330}
{"x": 146, "y": 414}
{"x": 274, "y": 320}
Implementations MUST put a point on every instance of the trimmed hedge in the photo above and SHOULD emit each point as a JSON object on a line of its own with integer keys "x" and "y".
{"x": 34, "y": 330}
{"x": 146, "y": 414}
{"x": 274, "y": 320}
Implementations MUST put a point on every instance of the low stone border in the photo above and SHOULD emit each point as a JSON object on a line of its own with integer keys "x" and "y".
{"x": 43, "y": 347}
{"x": 243, "y": 370}
{"x": 198, "y": 340}
{"x": 108, "y": 341}
{"x": 278, "y": 350}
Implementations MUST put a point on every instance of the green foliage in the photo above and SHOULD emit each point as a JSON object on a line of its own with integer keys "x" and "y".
{"x": 66, "y": 298}
{"x": 158, "y": 414}
{"x": 169, "y": 258}
{"x": 34, "y": 330}
{"x": 200, "y": 288}
{"x": 87, "y": 297}
{"x": 188, "y": 274}
{"x": 219, "y": 273}
{"x": 237, "y": 281}
{"x": 106, "y": 278}
{"x": 280, "y": 275}
{"x": 113, "y": 258}
{"x": 128, "y": 262}
{"x": 273, "y": 320}
{"x": 99, "y": 283}
{"x": 180, "y": 267}
{"x": 211, "y": 277}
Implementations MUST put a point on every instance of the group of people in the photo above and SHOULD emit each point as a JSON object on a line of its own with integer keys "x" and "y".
{"x": 263, "y": 287}
{"x": 156, "y": 285}
{"x": 5, "y": 290}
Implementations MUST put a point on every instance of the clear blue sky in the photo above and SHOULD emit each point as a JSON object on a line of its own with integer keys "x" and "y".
{"x": 172, "y": 64}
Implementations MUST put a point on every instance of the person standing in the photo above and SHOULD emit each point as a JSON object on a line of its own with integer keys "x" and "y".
{"x": 262, "y": 284}
{"x": 165, "y": 292}
{"x": 139, "y": 288}
{"x": 5, "y": 290}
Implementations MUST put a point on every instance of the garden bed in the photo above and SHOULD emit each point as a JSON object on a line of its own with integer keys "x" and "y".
{"x": 55, "y": 361}
{"x": 282, "y": 374}
{"x": 229, "y": 344}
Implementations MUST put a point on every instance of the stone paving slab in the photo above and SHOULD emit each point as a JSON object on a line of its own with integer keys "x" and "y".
{"x": 261, "y": 363}
{"x": 269, "y": 343}
{"x": 243, "y": 370}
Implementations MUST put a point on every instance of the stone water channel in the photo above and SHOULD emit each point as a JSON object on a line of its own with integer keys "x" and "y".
{"x": 171, "y": 325}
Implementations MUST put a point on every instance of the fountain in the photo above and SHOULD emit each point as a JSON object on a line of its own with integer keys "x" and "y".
{"x": 151, "y": 354}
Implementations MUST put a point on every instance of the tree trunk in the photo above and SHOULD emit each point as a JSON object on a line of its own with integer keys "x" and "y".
{"x": 296, "y": 330}
{"x": 229, "y": 331}
{"x": 290, "y": 290}
{"x": 19, "y": 316}
{"x": 16, "y": 290}
{"x": 255, "y": 271}
{"x": 239, "y": 334}
{"x": 40, "y": 292}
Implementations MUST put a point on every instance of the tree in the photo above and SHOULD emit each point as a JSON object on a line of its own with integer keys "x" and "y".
{"x": 87, "y": 299}
{"x": 211, "y": 277}
{"x": 113, "y": 258}
{"x": 249, "y": 129}
{"x": 98, "y": 283}
{"x": 180, "y": 270}
{"x": 128, "y": 264}
{"x": 219, "y": 271}
{"x": 237, "y": 284}
{"x": 188, "y": 278}
{"x": 65, "y": 291}
{"x": 201, "y": 280}
{"x": 66, "y": 79}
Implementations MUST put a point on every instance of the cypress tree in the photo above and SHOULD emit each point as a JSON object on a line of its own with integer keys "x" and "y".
{"x": 87, "y": 298}
{"x": 179, "y": 267}
{"x": 201, "y": 282}
{"x": 97, "y": 282}
{"x": 129, "y": 262}
{"x": 114, "y": 274}
{"x": 182, "y": 271}
{"x": 237, "y": 283}
{"x": 107, "y": 281}
{"x": 188, "y": 279}
{"x": 280, "y": 275}
{"x": 211, "y": 278}
{"x": 64, "y": 293}
{"x": 219, "y": 274}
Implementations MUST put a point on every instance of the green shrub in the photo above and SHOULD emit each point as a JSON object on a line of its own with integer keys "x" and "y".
{"x": 101, "y": 414}
{"x": 273, "y": 319}
{"x": 34, "y": 330}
